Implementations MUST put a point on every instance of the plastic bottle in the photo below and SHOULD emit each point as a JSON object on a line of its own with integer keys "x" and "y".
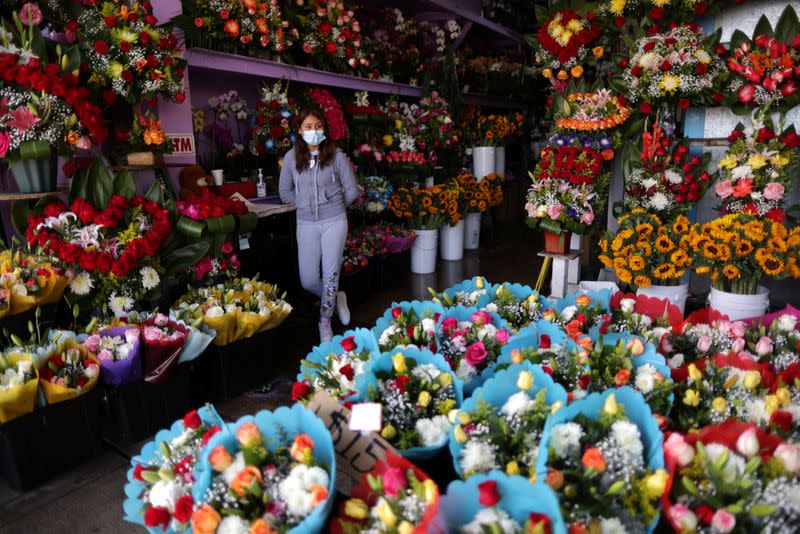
{"x": 261, "y": 186}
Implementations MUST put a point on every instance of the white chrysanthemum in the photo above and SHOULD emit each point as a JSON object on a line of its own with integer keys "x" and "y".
{"x": 82, "y": 284}
{"x": 164, "y": 494}
{"x": 735, "y": 465}
{"x": 659, "y": 201}
{"x": 477, "y": 457}
{"x": 294, "y": 490}
{"x": 755, "y": 411}
{"x": 232, "y": 470}
{"x": 433, "y": 431}
{"x": 612, "y": 526}
{"x": 119, "y": 305}
{"x": 150, "y": 278}
{"x": 673, "y": 176}
{"x": 787, "y": 322}
{"x": 487, "y": 517}
{"x": 676, "y": 361}
{"x": 465, "y": 371}
{"x": 517, "y": 404}
{"x": 647, "y": 183}
{"x": 646, "y": 378}
{"x": 628, "y": 437}
{"x": 426, "y": 371}
{"x": 649, "y": 61}
{"x": 233, "y": 525}
{"x": 565, "y": 439}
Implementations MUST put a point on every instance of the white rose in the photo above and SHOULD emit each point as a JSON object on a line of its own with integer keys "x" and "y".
{"x": 787, "y": 323}
{"x": 627, "y": 305}
{"x": 790, "y": 456}
{"x": 233, "y": 525}
{"x": 164, "y": 494}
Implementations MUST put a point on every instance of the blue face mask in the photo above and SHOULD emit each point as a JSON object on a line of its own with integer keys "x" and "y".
{"x": 313, "y": 137}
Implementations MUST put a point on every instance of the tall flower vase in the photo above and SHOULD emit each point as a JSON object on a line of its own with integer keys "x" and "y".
{"x": 557, "y": 243}
{"x": 675, "y": 294}
{"x": 452, "y": 241}
{"x": 472, "y": 231}
{"x": 483, "y": 161}
{"x": 500, "y": 160}
{"x": 36, "y": 175}
{"x": 423, "y": 251}
{"x": 737, "y": 306}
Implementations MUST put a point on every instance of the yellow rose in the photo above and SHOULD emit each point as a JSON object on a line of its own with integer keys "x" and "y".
{"x": 512, "y": 468}
{"x": 771, "y": 404}
{"x": 756, "y": 161}
{"x": 398, "y": 124}
{"x": 656, "y": 483}
{"x": 460, "y": 435}
{"x": 694, "y": 373}
{"x": 388, "y": 432}
{"x": 598, "y": 51}
{"x": 405, "y": 527}
{"x": 525, "y": 380}
{"x": 783, "y": 396}
{"x": 547, "y": 73}
{"x": 356, "y": 508}
{"x": 479, "y": 282}
{"x": 516, "y": 356}
{"x": 576, "y": 71}
{"x": 719, "y": 405}
{"x": 752, "y": 379}
{"x": 610, "y": 407}
{"x": 445, "y": 379}
{"x": 424, "y": 399}
{"x": 399, "y": 363}
{"x": 431, "y": 490}
{"x": 691, "y": 398}
{"x": 385, "y": 514}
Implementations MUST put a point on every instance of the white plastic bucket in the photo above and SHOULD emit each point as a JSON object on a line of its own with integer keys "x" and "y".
{"x": 429, "y": 181}
{"x": 472, "y": 231}
{"x": 218, "y": 176}
{"x": 740, "y": 306}
{"x": 500, "y": 160}
{"x": 451, "y": 241}
{"x": 423, "y": 251}
{"x": 483, "y": 161}
{"x": 596, "y": 285}
{"x": 675, "y": 294}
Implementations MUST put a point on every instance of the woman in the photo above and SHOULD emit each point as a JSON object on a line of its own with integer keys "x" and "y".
{"x": 318, "y": 179}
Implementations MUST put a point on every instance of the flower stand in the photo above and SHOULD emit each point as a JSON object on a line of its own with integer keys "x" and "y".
{"x": 738, "y": 307}
{"x": 566, "y": 267}
{"x": 556, "y": 243}
{"x": 451, "y": 240}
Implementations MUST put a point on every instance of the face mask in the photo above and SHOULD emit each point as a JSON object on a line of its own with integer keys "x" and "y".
{"x": 313, "y": 137}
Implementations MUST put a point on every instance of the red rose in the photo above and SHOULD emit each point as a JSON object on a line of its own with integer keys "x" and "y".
{"x": 325, "y": 28}
{"x": 400, "y": 382}
{"x": 704, "y": 514}
{"x": 765, "y": 135}
{"x": 646, "y": 108}
{"x": 583, "y": 381}
{"x": 487, "y": 493}
{"x": 619, "y": 22}
{"x": 330, "y": 48}
{"x": 791, "y": 140}
{"x": 397, "y": 311}
{"x": 636, "y": 71}
{"x": 137, "y": 472}
{"x": 300, "y": 390}
{"x": 347, "y": 371}
{"x": 110, "y": 21}
{"x": 157, "y": 517}
{"x": 180, "y": 96}
{"x": 683, "y": 103}
{"x": 623, "y": 62}
{"x": 349, "y": 344}
{"x": 776, "y": 215}
{"x": 127, "y": 76}
{"x": 100, "y": 47}
{"x": 700, "y": 9}
{"x": 648, "y": 46}
{"x": 718, "y": 98}
{"x": 151, "y": 20}
{"x": 545, "y": 342}
{"x": 198, "y": 22}
{"x": 665, "y": 65}
{"x": 657, "y": 13}
{"x": 145, "y": 38}
{"x": 192, "y": 420}
{"x": 72, "y": 25}
{"x": 183, "y": 509}
{"x": 125, "y": 46}
{"x": 535, "y": 519}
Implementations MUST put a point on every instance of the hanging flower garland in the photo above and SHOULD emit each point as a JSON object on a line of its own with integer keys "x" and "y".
{"x": 334, "y": 116}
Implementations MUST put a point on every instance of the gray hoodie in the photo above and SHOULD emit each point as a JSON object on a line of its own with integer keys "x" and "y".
{"x": 318, "y": 193}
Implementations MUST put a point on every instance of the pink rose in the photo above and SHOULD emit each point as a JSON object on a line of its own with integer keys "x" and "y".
{"x": 724, "y": 189}
{"x": 723, "y": 521}
{"x": 5, "y": 143}
{"x": 587, "y": 217}
{"x": 737, "y": 328}
{"x": 226, "y": 248}
{"x": 481, "y": 318}
{"x": 738, "y": 345}
{"x": 105, "y": 355}
{"x": 394, "y": 479}
{"x": 680, "y": 514}
{"x": 30, "y": 14}
{"x": 554, "y": 211}
{"x": 449, "y": 325}
{"x": 502, "y": 336}
{"x": 677, "y": 448}
{"x": 764, "y": 346}
{"x": 747, "y": 443}
{"x": 476, "y": 353}
{"x": 91, "y": 370}
{"x": 773, "y": 191}
{"x": 790, "y": 456}
{"x": 703, "y": 344}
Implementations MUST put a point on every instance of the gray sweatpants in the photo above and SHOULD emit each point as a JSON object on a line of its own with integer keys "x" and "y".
{"x": 321, "y": 244}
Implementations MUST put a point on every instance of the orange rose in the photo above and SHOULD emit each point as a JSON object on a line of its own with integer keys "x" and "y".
{"x": 249, "y": 435}
{"x": 547, "y": 73}
{"x": 574, "y": 329}
{"x": 220, "y": 459}
{"x": 72, "y": 137}
{"x": 205, "y": 520}
{"x": 260, "y": 527}
{"x": 607, "y": 154}
{"x": 555, "y": 479}
{"x": 622, "y": 377}
{"x": 598, "y": 51}
{"x": 241, "y": 482}
{"x": 562, "y": 75}
{"x": 318, "y": 494}
{"x": 593, "y": 459}
{"x": 261, "y": 25}
{"x": 583, "y": 300}
{"x": 301, "y": 448}
{"x": 576, "y": 71}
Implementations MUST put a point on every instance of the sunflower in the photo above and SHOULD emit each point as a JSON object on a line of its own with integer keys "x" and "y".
{"x": 754, "y": 230}
{"x": 642, "y": 281}
{"x": 644, "y": 229}
{"x": 626, "y": 251}
{"x": 616, "y": 244}
{"x": 744, "y": 248}
{"x": 664, "y": 243}
{"x": 777, "y": 244}
{"x": 626, "y": 233}
{"x": 603, "y": 244}
{"x": 679, "y": 258}
{"x": 731, "y": 272}
{"x": 636, "y": 263}
{"x": 620, "y": 263}
{"x": 645, "y": 248}
{"x": 778, "y": 230}
{"x": 605, "y": 260}
{"x": 724, "y": 252}
{"x": 771, "y": 265}
{"x": 624, "y": 276}
{"x": 664, "y": 271}
{"x": 426, "y": 202}
{"x": 711, "y": 250}
{"x": 681, "y": 225}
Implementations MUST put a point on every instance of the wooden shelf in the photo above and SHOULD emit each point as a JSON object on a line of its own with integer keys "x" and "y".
{"x": 15, "y": 197}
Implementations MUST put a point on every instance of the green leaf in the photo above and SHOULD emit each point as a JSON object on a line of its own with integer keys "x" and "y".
{"x": 631, "y": 159}
{"x": 155, "y": 193}
{"x": 19, "y": 216}
{"x": 618, "y": 85}
{"x": 737, "y": 38}
{"x": 787, "y": 26}
{"x": 689, "y": 486}
{"x": 542, "y": 13}
{"x": 763, "y": 27}
{"x": 761, "y": 510}
{"x": 98, "y": 186}
{"x": 123, "y": 184}
{"x": 184, "y": 257}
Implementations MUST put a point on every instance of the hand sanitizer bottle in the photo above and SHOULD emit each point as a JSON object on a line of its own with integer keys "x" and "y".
{"x": 261, "y": 186}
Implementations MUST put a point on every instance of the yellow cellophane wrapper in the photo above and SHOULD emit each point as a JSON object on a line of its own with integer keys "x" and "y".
{"x": 57, "y": 285}
{"x": 20, "y": 400}
{"x": 248, "y": 323}
{"x": 20, "y": 304}
{"x": 279, "y": 314}
{"x": 55, "y": 393}
{"x": 225, "y": 325}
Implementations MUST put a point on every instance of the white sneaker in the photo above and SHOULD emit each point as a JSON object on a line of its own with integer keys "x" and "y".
{"x": 325, "y": 330}
{"x": 342, "y": 311}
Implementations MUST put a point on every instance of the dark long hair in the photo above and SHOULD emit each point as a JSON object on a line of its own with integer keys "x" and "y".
{"x": 327, "y": 149}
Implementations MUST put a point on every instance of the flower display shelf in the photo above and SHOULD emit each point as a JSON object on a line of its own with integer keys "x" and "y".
{"x": 458, "y": 8}
{"x": 18, "y": 197}
{"x": 38, "y": 446}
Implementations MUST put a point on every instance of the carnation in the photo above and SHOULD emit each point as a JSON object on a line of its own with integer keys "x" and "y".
{"x": 433, "y": 431}
{"x": 517, "y": 404}
{"x": 478, "y": 456}
{"x": 565, "y": 439}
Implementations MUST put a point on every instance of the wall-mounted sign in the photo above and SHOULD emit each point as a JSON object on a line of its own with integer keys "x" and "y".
{"x": 182, "y": 144}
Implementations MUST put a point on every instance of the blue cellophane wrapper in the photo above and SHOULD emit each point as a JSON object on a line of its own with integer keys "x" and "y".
{"x": 518, "y": 498}
{"x": 198, "y": 339}
{"x": 132, "y": 506}
{"x": 469, "y": 286}
{"x": 591, "y": 406}
{"x": 129, "y": 370}
{"x": 497, "y": 390}
{"x": 528, "y": 338}
{"x": 420, "y": 307}
{"x": 383, "y": 363}
{"x": 598, "y": 296}
{"x": 295, "y": 420}
{"x": 461, "y": 313}
{"x": 364, "y": 340}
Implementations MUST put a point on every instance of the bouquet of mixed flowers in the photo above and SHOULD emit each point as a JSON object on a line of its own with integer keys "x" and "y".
{"x": 757, "y": 170}
{"x": 775, "y": 342}
{"x": 664, "y": 179}
{"x": 399, "y": 238}
{"x": 562, "y": 46}
{"x": 145, "y": 135}
{"x": 679, "y": 65}
{"x": 703, "y": 333}
{"x": 646, "y": 251}
{"x": 423, "y": 208}
{"x": 331, "y": 35}
{"x": 470, "y": 342}
{"x": 159, "y": 487}
{"x": 368, "y": 240}
{"x": 272, "y": 130}
{"x": 590, "y": 112}
{"x": 375, "y": 197}
{"x": 272, "y": 472}
{"x": 19, "y": 383}
{"x": 602, "y": 455}
{"x": 651, "y": 318}
{"x": 621, "y": 14}
{"x": 494, "y": 129}
{"x": 737, "y": 250}
{"x": 579, "y": 314}
{"x": 353, "y": 260}
{"x": 731, "y": 477}
{"x": 29, "y": 279}
{"x": 495, "y": 502}
{"x": 70, "y": 370}
{"x": 417, "y": 390}
{"x": 474, "y": 293}
{"x": 408, "y": 324}
{"x": 335, "y": 365}
{"x": 500, "y": 425}
{"x": 119, "y": 353}
{"x": 395, "y": 496}
{"x": 516, "y": 304}
{"x": 163, "y": 339}
{"x": 334, "y": 116}
{"x": 407, "y": 162}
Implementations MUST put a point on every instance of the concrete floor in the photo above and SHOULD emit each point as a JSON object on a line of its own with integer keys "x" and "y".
{"x": 89, "y": 498}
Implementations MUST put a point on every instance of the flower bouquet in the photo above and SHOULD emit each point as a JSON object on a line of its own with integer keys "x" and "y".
{"x": 646, "y": 252}
{"x": 353, "y": 261}
{"x": 470, "y": 342}
{"x": 275, "y": 470}
{"x": 334, "y": 116}
{"x": 375, "y": 199}
{"x": 335, "y": 365}
{"x": 19, "y": 383}
{"x": 495, "y": 502}
{"x": 417, "y": 390}
{"x": 776, "y": 342}
{"x": 407, "y": 165}
{"x": 145, "y": 142}
{"x": 68, "y": 372}
{"x": 732, "y": 477}
{"x": 474, "y": 293}
{"x": 361, "y": 111}
{"x": 562, "y": 46}
{"x": 500, "y": 425}
{"x": 159, "y": 488}
{"x": 651, "y": 318}
{"x": 119, "y": 352}
{"x": 580, "y": 314}
{"x": 757, "y": 170}
{"x": 163, "y": 340}
{"x": 331, "y": 36}
{"x": 604, "y": 459}
{"x": 702, "y": 334}
{"x": 272, "y": 131}
{"x": 29, "y": 280}
{"x": 399, "y": 238}
{"x": 408, "y": 324}
{"x": 395, "y": 497}
{"x": 433, "y": 127}
{"x": 590, "y": 112}
{"x": 518, "y": 305}
{"x": 494, "y": 129}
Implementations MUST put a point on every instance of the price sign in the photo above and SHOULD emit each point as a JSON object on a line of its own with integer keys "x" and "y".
{"x": 182, "y": 144}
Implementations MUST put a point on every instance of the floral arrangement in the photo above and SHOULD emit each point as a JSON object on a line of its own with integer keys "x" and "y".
{"x": 375, "y": 197}
{"x": 145, "y": 135}
{"x": 563, "y": 43}
{"x": 129, "y": 53}
{"x": 775, "y": 342}
{"x": 470, "y": 341}
{"x": 417, "y": 391}
{"x": 19, "y": 383}
{"x": 621, "y": 13}
{"x": 469, "y": 294}
{"x": 433, "y": 127}
{"x": 272, "y": 130}
{"x": 407, "y": 325}
{"x": 29, "y": 279}
{"x": 331, "y": 35}
{"x": 407, "y": 162}
{"x": 702, "y": 334}
{"x": 647, "y": 251}
{"x": 494, "y": 129}
{"x": 591, "y": 112}
{"x": 679, "y": 65}
{"x": 398, "y": 42}
{"x": 665, "y": 180}
{"x": 737, "y": 250}
{"x": 756, "y": 171}
{"x": 118, "y": 351}
{"x": 205, "y": 204}
{"x": 579, "y": 313}
{"x": 517, "y": 305}
{"x": 163, "y": 340}
{"x": 399, "y": 238}
{"x": 423, "y": 208}
{"x": 70, "y": 370}
{"x": 477, "y": 197}
{"x": 651, "y": 318}
{"x": 163, "y": 482}
{"x": 334, "y": 116}
{"x": 362, "y": 111}
{"x": 353, "y": 261}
